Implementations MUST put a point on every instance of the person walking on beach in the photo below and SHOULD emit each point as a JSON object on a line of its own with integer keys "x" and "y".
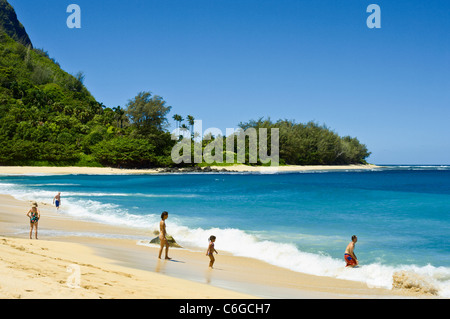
{"x": 57, "y": 201}
{"x": 34, "y": 216}
{"x": 211, "y": 250}
{"x": 162, "y": 235}
{"x": 349, "y": 255}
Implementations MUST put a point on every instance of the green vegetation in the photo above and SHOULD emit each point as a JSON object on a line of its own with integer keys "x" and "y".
{"x": 49, "y": 118}
{"x": 312, "y": 144}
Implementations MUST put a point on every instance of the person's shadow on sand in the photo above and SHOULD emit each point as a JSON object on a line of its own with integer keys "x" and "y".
{"x": 176, "y": 261}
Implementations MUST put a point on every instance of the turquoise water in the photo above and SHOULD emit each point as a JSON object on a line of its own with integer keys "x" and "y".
{"x": 300, "y": 221}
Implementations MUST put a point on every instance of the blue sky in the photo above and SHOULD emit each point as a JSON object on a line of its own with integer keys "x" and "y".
{"x": 227, "y": 61}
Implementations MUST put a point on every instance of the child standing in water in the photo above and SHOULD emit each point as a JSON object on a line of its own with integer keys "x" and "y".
{"x": 211, "y": 250}
{"x": 34, "y": 216}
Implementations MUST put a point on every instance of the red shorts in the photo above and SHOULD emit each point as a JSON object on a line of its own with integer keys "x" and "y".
{"x": 349, "y": 260}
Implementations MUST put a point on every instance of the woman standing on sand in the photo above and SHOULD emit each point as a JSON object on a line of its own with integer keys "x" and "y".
{"x": 162, "y": 235}
{"x": 34, "y": 216}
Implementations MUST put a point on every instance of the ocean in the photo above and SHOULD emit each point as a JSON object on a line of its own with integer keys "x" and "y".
{"x": 299, "y": 221}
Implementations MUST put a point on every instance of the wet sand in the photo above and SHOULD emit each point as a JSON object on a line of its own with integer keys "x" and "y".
{"x": 119, "y": 262}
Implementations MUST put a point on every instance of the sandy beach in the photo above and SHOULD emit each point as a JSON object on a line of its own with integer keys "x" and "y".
{"x": 118, "y": 262}
{"x": 237, "y": 168}
{"x": 121, "y": 268}
{"x": 46, "y": 268}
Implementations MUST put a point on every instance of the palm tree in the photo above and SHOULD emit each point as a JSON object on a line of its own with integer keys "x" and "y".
{"x": 178, "y": 118}
{"x": 191, "y": 121}
{"x": 119, "y": 115}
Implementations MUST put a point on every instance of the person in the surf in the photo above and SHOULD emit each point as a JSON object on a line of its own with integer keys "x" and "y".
{"x": 349, "y": 255}
{"x": 57, "y": 200}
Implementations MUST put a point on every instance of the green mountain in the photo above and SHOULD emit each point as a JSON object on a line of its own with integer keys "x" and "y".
{"x": 49, "y": 118}
{"x": 11, "y": 25}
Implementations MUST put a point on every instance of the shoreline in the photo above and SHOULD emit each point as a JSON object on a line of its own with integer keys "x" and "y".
{"x": 114, "y": 267}
{"x": 73, "y": 170}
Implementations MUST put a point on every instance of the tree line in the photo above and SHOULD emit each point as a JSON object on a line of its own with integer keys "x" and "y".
{"x": 49, "y": 118}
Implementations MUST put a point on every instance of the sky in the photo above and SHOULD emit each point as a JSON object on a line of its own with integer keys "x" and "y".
{"x": 231, "y": 61}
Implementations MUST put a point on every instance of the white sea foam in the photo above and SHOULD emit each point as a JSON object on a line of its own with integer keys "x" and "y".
{"x": 419, "y": 167}
{"x": 25, "y": 193}
{"x": 54, "y": 184}
{"x": 288, "y": 256}
{"x": 129, "y": 195}
{"x": 241, "y": 243}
